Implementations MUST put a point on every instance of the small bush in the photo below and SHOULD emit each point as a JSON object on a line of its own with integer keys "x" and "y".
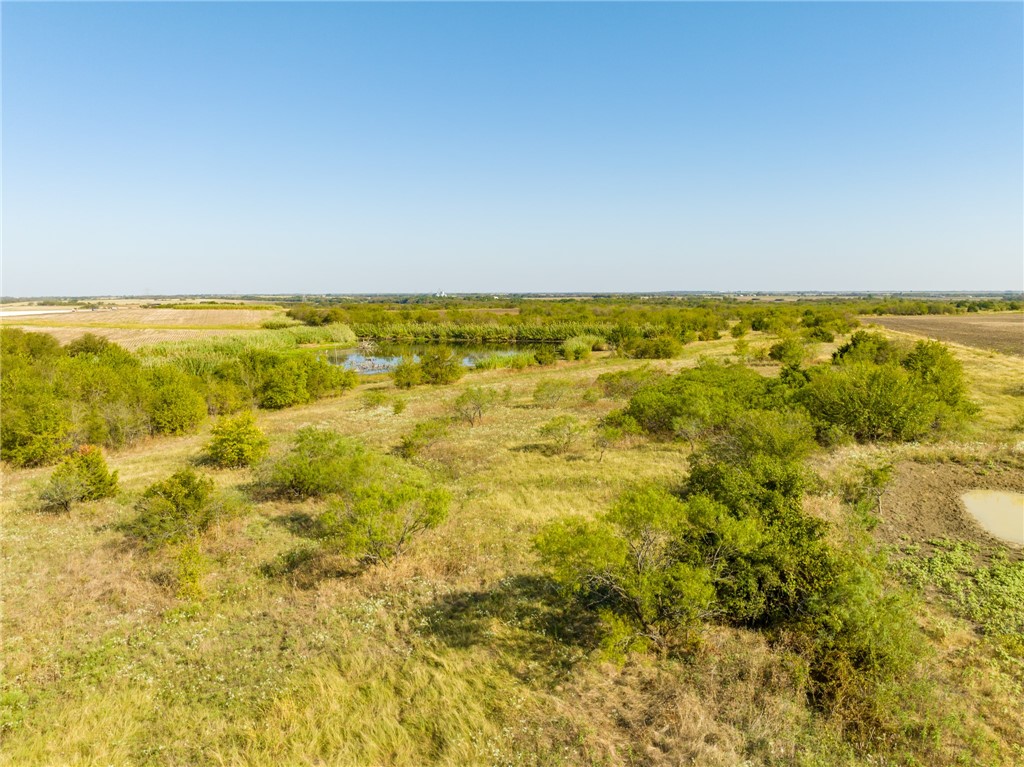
{"x": 61, "y": 492}
{"x": 623, "y": 566}
{"x": 607, "y": 437}
{"x": 551, "y": 391}
{"x": 175, "y": 406}
{"x": 626, "y": 383}
{"x": 561, "y": 433}
{"x": 422, "y": 436}
{"x": 870, "y": 402}
{"x": 579, "y": 347}
{"x": 178, "y": 509}
{"x": 190, "y": 566}
{"x": 865, "y": 346}
{"x": 374, "y": 398}
{"x": 440, "y": 365}
{"x": 658, "y": 348}
{"x": 471, "y": 405}
{"x": 790, "y": 352}
{"x": 82, "y": 476}
{"x": 407, "y": 374}
{"x": 237, "y": 441}
{"x": 320, "y": 462}
{"x": 377, "y": 522}
{"x": 545, "y": 355}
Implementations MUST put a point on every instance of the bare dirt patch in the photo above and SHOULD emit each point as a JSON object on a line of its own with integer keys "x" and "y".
{"x": 1001, "y": 331}
{"x": 923, "y": 502}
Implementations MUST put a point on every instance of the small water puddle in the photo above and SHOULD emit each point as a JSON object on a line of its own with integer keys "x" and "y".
{"x": 999, "y": 512}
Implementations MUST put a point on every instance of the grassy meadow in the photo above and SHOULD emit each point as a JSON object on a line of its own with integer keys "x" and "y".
{"x": 463, "y": 651}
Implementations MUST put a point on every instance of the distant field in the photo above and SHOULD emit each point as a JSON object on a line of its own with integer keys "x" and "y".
{"x": 1002, "y": 332}
{"x": 129, "y": 338}
{"x": 239, "y": 319}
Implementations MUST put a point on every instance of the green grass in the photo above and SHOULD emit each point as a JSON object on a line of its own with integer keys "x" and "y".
{"x": 458, "y": 654}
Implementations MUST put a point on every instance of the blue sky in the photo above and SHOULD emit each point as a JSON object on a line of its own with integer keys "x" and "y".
{"x": 237, "y": 148}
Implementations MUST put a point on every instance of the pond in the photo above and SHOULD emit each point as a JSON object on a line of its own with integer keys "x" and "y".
{"x": 999, "y": 512}
{"x": 384, "y": 357}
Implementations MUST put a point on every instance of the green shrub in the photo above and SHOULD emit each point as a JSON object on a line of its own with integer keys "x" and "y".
{"x": 865, "y": 346}
{"x": 658, "y": 348}
{"x": 374, "y": 398}
{"x": 82, "y": 476}
{"x": 626, "y": 383}
{"x": 579, "y": 347}
{"x": 561, "y": 432}
{"x": 440, "y": 365}
{"x": 190, "y": 565}
{"x": 61, "y": 492}
{"x": 35, "y": 428}
{"x": 790, "y": 352}
{"x": 608, "y": 436}
{"x": 422, "y": 436}
{"x": 870, "y": 402}
{"x": 87, "y": 344}
{"x": 937, "y": 369}
{"x": 545, "y": 355}
{"x": 175, "y": 405}
{"x": 320, "y": 462}
{"x": 471, "y": 405}
{"x": 551, "y": 391}
{"x": 377, "y": 522}
{"x": 237, "y": 441}
{"x": 407, "y": 374}
{"x": 623, "y": 565}
{"x": 697, "y": 402}
{"x": 740, "y": 329}
{"x": 177, "y": 509}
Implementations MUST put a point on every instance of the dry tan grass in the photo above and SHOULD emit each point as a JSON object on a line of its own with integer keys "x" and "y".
{"x": 451, "y": 657}
{"x": 162, "y": 319}
{"x": 129, "y": 338}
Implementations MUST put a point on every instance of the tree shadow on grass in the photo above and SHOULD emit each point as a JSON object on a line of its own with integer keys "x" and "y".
{"x": 306, "y": 565}
{"x": 536, "y": 447}
{"x": 537, "y": 632}
{"x": 301, "y": 524}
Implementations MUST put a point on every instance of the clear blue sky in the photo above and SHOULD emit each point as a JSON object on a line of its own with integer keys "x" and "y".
{"x": 200, "y": 148}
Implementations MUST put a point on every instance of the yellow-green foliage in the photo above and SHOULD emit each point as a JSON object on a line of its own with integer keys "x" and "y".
{"x": 237, "y": 441}
{"x": 463, "y": 651}
{"x": 82, "y": 476}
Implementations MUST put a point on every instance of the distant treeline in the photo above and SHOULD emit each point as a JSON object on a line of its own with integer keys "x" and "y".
{"x": 614, "y": 319}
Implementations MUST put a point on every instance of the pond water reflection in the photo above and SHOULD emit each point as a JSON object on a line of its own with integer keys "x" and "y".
{"x": 384, "y": 357}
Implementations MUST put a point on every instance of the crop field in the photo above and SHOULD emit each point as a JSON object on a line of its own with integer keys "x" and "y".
{"x": 133, "y": 327}
{"x": 153, "y": 319}
{"x": 1002, "y": 331}
{"x": 129, "y": 338}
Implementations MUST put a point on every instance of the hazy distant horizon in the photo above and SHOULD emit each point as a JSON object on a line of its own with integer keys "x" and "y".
{"x": 1014, "y": 293}
{"x": 271, "y": 148}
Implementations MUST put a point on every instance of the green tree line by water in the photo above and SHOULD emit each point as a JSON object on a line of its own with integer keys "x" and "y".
{"x": 92, "y": 392}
